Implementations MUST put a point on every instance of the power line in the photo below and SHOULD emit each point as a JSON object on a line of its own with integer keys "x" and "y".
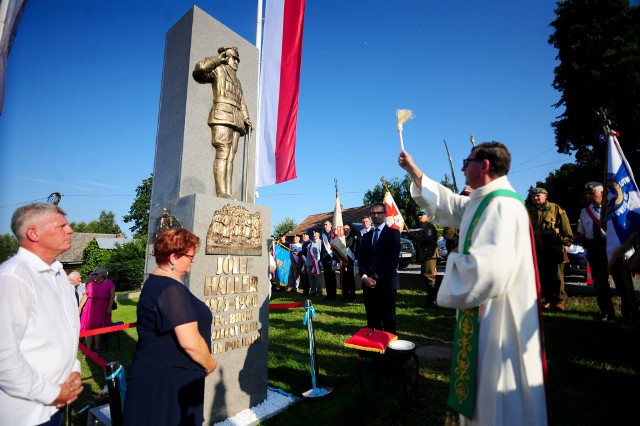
{"x": 112, "y": 195}
{"x": 532, "y": 158}
{"x": 64, "y": 195}
{"x": 536, "y": 167}
{"x": 26, "y": 202}
{"x": 309, "y": 193}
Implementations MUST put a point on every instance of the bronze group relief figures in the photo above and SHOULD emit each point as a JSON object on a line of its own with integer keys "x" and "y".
{"x": 229, "y": 117}
{"x": 234, "y": 230}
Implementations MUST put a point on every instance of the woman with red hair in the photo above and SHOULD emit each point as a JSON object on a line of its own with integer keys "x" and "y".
{"x": 173, "y": 356}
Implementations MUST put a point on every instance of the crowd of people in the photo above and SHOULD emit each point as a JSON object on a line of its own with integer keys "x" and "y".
{"x": 495, "y": 245}
{"x": 552, "y": 235}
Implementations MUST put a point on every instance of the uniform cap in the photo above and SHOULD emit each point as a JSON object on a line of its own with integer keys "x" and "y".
{"x": 232, "y": 51}
{"x": 535, "y": 191}
{"x": 591, "y": 185}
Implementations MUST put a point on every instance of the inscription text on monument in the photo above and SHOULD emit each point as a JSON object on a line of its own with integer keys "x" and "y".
{"x": 232, "y": 297}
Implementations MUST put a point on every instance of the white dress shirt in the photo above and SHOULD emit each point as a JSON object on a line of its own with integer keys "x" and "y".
{"x": 39, "y": 329}
{"x": 79, "y": 290}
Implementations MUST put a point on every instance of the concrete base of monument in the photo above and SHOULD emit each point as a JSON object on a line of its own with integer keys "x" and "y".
{"x": 274, "y": 404}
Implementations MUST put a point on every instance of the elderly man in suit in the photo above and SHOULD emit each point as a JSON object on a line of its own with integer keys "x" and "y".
{"x": 378, "y": 263}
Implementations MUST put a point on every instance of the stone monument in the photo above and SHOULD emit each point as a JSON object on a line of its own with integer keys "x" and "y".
{"x": 230, "y": 273}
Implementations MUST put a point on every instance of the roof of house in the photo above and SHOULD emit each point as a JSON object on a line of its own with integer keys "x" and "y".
{"x": 79, "y": 241}
{"x": 110, "y": 243}
{"x": 315, "y": 221}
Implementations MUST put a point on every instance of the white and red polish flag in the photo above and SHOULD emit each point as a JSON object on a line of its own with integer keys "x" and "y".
{"x": 338, "y": 242}
{"x": 393, "y": 218}
{"x": 279, "y": 88}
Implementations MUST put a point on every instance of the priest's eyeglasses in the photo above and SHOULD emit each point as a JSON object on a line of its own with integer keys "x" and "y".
{"x": 466, "y": 162}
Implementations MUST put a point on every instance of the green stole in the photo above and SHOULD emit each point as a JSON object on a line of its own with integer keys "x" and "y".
{"x": 462, "y": 384}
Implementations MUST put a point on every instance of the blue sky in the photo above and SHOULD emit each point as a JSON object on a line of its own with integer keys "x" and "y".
{"x": 83, "y": 90}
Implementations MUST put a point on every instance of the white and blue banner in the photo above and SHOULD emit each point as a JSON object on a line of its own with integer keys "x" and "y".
{"x": 283, "y": 264}
{"x": 623, "y": 200}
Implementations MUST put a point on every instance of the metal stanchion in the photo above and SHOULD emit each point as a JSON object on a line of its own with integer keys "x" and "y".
{"x": 112, "y": 370}
{"x": 67, "y": 415}
{"x": 314, "y": 392}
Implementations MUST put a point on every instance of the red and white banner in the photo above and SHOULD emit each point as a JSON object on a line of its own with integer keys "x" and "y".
{"x": 338, "y": 242}
{"x": 279, "y": 88}
{"x": 394, "y": 217}
{"x": 315, "y": 264}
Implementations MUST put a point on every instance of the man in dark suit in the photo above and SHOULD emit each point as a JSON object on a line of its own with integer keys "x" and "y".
{"x": 378, "y": 264}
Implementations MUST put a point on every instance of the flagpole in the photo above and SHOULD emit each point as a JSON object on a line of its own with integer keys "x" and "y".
{"x": 278, "y": 243}
{"x": 335, "y": 181}
{"x": 453, "y": 174}
{"x": 606, "y": 126}
{"x": 259, "y": 25}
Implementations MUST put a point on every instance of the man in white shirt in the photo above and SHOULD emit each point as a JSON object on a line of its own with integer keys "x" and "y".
{"x": 313, "y": 265}
{"x": 296, "y": 264}
{"x": 39, "y": 324}
{"x": 595, "y": 243}
{"x": 366, "y": 225}
{"x": 78, "y": 285}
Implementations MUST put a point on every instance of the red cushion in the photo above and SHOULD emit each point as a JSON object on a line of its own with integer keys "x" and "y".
{"x": 365, "y": 340}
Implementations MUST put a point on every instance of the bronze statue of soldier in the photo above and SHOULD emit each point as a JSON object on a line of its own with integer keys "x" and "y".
{"x": 229, "y": 117}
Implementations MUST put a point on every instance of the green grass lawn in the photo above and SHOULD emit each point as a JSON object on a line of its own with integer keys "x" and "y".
{"x": 592, "y": 366}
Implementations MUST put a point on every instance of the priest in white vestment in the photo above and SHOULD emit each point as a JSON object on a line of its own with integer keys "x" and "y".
{"x": 498, "y": 276}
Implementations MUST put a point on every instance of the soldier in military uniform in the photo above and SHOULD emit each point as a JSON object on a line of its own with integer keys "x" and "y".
{"x": 229, "y": 117}
{"x": 427, "y": 239}
{"x": 553, "y": 236}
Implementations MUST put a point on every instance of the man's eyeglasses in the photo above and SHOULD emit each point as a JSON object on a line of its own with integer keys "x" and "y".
{"x": 373, "y": 213}
{"x": 466, "y": 162}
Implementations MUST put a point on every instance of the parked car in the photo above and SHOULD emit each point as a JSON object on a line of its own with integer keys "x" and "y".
{"x": 576, "y": 269}
{"x": 407, "y": 253}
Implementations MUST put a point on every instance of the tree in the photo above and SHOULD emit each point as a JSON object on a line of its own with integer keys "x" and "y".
{"x": 448, "y": 183}
{"x": 139, "y": 211}
{"x": 126, "y": 264}
{"x": 287, "y": 225}
{"x": 106, "y": 224}
{"x": 8, "y": 246}
{"x": 93, "y": 257}
{"x": 401, "y": 192}
{"x": 598, "y": 44}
